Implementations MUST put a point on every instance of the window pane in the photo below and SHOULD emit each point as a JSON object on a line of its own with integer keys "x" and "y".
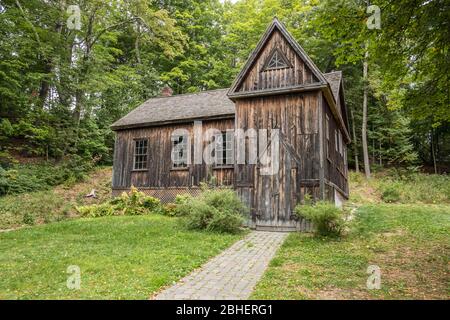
{"x": 179, "y": 153}
{"x": 140, "y": 154}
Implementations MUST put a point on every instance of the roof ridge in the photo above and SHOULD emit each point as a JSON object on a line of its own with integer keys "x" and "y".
{"x": 336, "y": 71}
{"x": 187, "y": 94}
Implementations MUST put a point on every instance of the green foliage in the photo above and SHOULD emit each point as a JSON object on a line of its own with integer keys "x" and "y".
{"x": 401, "y": 185}
{"x": 182, "y": 199}
{"x": 128, "y": 204}
{"x": 328, "y": 219}
{"x": 96, "y": 210}
{"x": 177, "y": 208}
{"x": 215, "y": 209}
{"x": 169, "y": 209}
{"x": 32, "y": 208}
{"x": 28, "y": 218}
{"x": 391, "y": 193}
{"x": 58, "y": 109}
{"x": 33, "y": 177}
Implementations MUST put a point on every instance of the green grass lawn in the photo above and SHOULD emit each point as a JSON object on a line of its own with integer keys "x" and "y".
{"x": 410, "y": 243}
{"x": 119, "y": 257}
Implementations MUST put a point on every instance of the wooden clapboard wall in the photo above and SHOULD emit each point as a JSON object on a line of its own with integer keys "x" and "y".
{"x": 160, "y": 172}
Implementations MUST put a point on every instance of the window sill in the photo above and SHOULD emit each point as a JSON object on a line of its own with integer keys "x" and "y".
{"x": 179, "y": 169}
{"x": 223, "y": 167}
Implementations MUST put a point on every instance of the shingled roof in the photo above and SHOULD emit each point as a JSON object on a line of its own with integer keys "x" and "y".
{"x": 334, "y": 79}
{"x": 178, "y": 108}
{"x": 184, "y": 107}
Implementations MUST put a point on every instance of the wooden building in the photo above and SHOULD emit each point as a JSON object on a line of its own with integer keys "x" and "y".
{"x": 279, "y": 89}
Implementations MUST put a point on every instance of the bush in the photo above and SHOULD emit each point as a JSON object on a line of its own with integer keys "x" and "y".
{"x": 96, "y": 210}
{"x": 169, "y": 209}
{"x": 391, "y": 193}
{"x": 326, "y": 217}
{"x": 128, "y": 204}
{"x": 216, "y": 210}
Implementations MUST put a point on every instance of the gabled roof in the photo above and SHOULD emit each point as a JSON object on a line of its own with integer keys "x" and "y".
{"x": 184, "y": 107}
{"x": 178, "y": 108}
{"x": 215, "y": 104}
{"x": 275, "y": 25}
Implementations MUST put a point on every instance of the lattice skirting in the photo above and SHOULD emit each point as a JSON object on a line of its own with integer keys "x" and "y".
{"x": 166, "y": 195}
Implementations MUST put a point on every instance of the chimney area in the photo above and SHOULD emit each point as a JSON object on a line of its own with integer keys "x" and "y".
{"x": 166, "y": 91}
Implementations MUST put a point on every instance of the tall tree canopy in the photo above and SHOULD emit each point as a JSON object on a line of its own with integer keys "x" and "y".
{"x": 61, "y": 88}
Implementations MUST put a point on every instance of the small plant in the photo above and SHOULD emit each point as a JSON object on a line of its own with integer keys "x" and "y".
{"x": 182, "y": 198}
{"x": 29, "y": 219}
{"x": 96, "y": 210}
{"x": 326, "y": 217}
{"x": 391, "y": 193}
{"x": 169, "y": 209}
{"x": 128, "y": 204}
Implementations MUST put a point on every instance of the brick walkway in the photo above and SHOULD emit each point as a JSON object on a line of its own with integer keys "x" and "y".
{"x": 232, "y": 274}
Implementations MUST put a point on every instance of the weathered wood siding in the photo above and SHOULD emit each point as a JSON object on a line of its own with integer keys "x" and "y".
{"x": 335, "y": 164}
{"x": 259, "y": 79}
{"x": 160, "y": 173}
{"x": 273, "y": 198}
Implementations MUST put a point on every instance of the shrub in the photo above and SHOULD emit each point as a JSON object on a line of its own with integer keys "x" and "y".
{"x": 182, "y": 198}
{"x": 97, "y": 210}
{"x": 391, "y": 193}
{"x": 326, "y": 217}
{"x": 169, "y": 209}
{"x": 216, "y": 210}
{"x": 128, "y": 204}
{"x": 199, "y": 214}
{"x": 225, "y": 221}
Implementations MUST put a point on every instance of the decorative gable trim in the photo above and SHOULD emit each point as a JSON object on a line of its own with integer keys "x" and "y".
{"x": 276, "y": 60}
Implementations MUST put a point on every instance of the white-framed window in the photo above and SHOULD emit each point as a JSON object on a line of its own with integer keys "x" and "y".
{"x": 224, "y": 149}
{"x": 179, "y": 151}
{"x": 341, "y": 145}
{"x": 140, "y": 159}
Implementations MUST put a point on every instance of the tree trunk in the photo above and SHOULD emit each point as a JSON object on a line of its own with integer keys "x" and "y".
{"x": 364, "y": 121}
{"x": 136, "y": 45}
{"x": 355, "y": 143}
{"x": 433, "y": 152}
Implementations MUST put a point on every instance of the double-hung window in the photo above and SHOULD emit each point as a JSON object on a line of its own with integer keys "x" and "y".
{"x": 140, "y": 161}
{"x": 179, "y": 151}
{"x": 224, "y": 149}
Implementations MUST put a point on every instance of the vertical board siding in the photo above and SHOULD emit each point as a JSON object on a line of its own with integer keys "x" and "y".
{"x": 274, "y": 197}
{"x": 259, "y": 79}
{"x": 335, "y": 164}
